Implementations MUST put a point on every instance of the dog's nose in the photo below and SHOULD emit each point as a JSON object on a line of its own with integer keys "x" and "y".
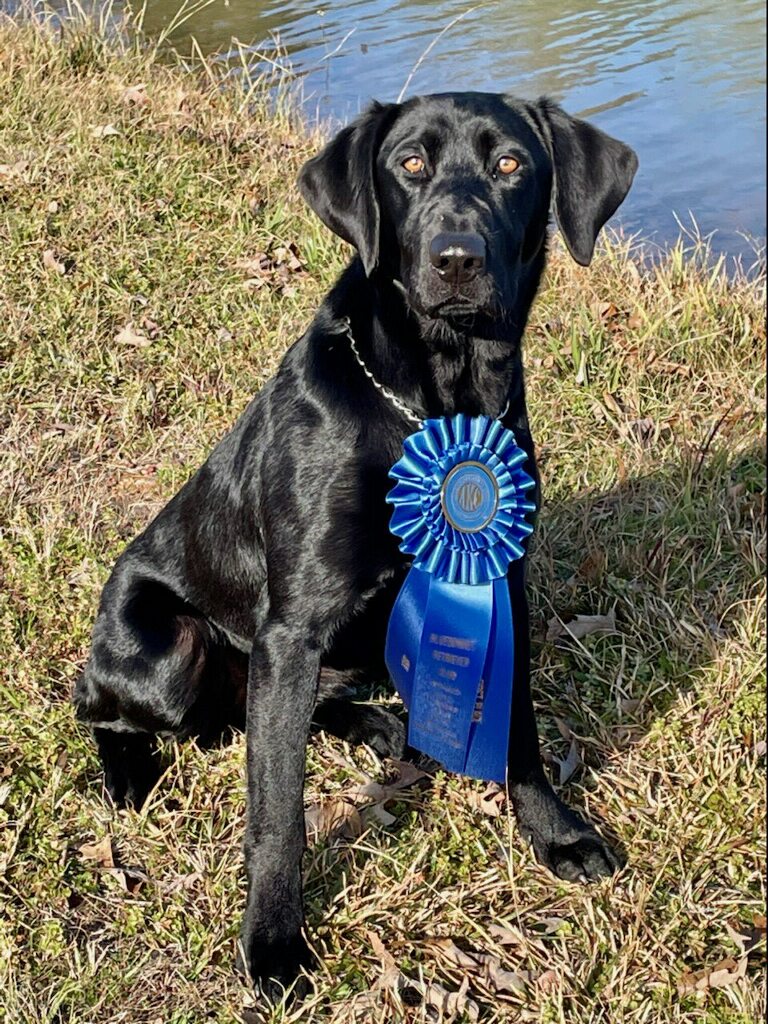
{"x": 457, "y": 258}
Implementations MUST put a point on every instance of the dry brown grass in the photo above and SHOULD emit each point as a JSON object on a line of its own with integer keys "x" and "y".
{"x": 653, "y": 466}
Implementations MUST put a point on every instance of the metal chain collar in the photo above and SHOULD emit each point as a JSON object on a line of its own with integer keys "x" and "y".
{"x": 390, "y": 395}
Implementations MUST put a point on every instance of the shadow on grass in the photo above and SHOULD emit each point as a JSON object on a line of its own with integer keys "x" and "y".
{"x": 677, "y": 555}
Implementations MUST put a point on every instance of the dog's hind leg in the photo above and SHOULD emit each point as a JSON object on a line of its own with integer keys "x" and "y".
{"x": 157, "y": 667}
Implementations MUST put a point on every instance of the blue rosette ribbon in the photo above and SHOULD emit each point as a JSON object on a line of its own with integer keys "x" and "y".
{"x": 459, "y": 505}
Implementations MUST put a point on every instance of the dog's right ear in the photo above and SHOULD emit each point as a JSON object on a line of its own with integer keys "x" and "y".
{"x": 339, "y": 183}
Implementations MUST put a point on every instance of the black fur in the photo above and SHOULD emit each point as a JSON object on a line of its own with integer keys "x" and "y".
{"x": 265, "y": 584}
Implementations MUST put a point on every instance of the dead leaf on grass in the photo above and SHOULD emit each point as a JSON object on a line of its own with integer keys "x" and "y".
{"x": 50, "y": 262}
{"x": 450, "y": 1003}
{"x": 726, "y": 972}
{"x": 81, "y": 574}
{"x": 488, "y": 966}
{"x": 605, "y": 310}
{"x": 748, "y": 937}
{"x": 276, "y": 268}
{"x": 432, "y": 994}
{"x": 570, "y": 764}
{"x": 335, "y": 819}
{"x": 98, "y": 853}
{"x": 391, "y": 976}
{"x": 104, "y": 131}
{"x": 581, "y": 626}
{"x": 130, "y": 879}
{"x": 500, "y": 979}
{"x": 405, "y": 775}
{"x": 452, "y": 953}
{"x": 490, "y": 801}
{"x": 506, "y": 935}
{"x": 14, "y": 170}
{"x": 379, "y": 815}
{"x": 136, "y": 95}
{"x": 548, "y": 981}
{"x": 129, "y": 336}
{"x": 591, "y": 569}
{"x": 640, "y": 430}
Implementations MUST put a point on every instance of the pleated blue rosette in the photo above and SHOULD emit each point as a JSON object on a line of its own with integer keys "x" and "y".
{"x": 459, "y": 505}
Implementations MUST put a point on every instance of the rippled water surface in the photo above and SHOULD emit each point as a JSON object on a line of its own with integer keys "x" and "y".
{"x": 681, "y": 80}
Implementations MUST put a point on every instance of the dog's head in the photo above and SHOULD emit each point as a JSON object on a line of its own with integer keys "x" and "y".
{"x": 450, "y": 194}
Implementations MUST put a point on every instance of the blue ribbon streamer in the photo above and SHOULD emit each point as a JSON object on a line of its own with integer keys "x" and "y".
{"x": 459, "y": 508}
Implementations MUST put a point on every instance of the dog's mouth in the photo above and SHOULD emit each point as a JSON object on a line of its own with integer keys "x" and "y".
{"x": 454, "y": 305}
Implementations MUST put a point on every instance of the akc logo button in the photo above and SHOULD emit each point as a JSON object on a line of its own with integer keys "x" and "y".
{"x": 469, "y": 496}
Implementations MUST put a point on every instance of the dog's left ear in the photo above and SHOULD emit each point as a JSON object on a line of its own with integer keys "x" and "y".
{"x": 593, "y": 173}
{"x": 339, "y": 183}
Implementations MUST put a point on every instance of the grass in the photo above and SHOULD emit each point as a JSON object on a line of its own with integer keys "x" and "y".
{"x": 138, "y": 318}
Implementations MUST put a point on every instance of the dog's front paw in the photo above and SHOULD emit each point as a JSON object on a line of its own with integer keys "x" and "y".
{"x": 570, "y": 847}
{"x": 583, "y": 858}
{"x": 274, "y": 964}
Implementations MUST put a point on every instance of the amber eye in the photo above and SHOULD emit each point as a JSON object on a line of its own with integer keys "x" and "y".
{"x": 414, "y": 165}
{"x": 507, "y": 165}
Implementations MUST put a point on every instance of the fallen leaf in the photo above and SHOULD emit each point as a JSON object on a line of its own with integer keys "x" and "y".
{"x": 99, "y": 853}
{"x": 500, "y": 979}
{"x": 581, "y": 626}
{"x": 563, "y": 728}
{"x": 629, "y": 705}
{"x": 129, "y": 336}
{"x": 405, "y": 775}
{"x": 277, "y": 268}
{"x": 641, "y": 430}
{"x": 450, "y": 1003}
{"x": 507, "y": 936}
{"x": 723, "y": 974}
{"x": 131, "y": 879}
{"x": 490, "y": 801}
{"x": 453, "y": 954}
{"x": 335, "y": 818}
{"x": 591, "y": 569}
{"x": 548, "y": 981}
{"x": 14, "y": 170}
{"x": 50, "y": 262}
{"x": 136, "y": 95}
{"x": 104, "y": 131}
{"x": 379, "y": 815}
{"x": 748, "y": 937}
{"x": 150, "y": 328}
{"x": 605, "y": 310}
{"x": 83, "y": 573}
{"x": 552, "y": 925}
{"x": 391, "y": 976}
{"x": 570, "y": 764}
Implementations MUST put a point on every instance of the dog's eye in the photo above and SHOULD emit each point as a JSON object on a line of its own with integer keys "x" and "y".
{"x": 507, "y": 165}
{"x": 414, "y": 165}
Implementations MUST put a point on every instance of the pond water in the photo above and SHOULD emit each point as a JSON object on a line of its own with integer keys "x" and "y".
{"x": 683, "y": 81}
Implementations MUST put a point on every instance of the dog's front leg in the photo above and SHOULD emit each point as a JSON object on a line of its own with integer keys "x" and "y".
{"x": 569, "y": 846}
{"x": 281, "y": 695}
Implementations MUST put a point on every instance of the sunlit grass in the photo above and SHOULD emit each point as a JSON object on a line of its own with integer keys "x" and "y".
{"x": 646, "y": 388}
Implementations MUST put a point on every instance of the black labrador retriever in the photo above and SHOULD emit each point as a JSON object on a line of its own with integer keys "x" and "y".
{"x": 264, "y": 586}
